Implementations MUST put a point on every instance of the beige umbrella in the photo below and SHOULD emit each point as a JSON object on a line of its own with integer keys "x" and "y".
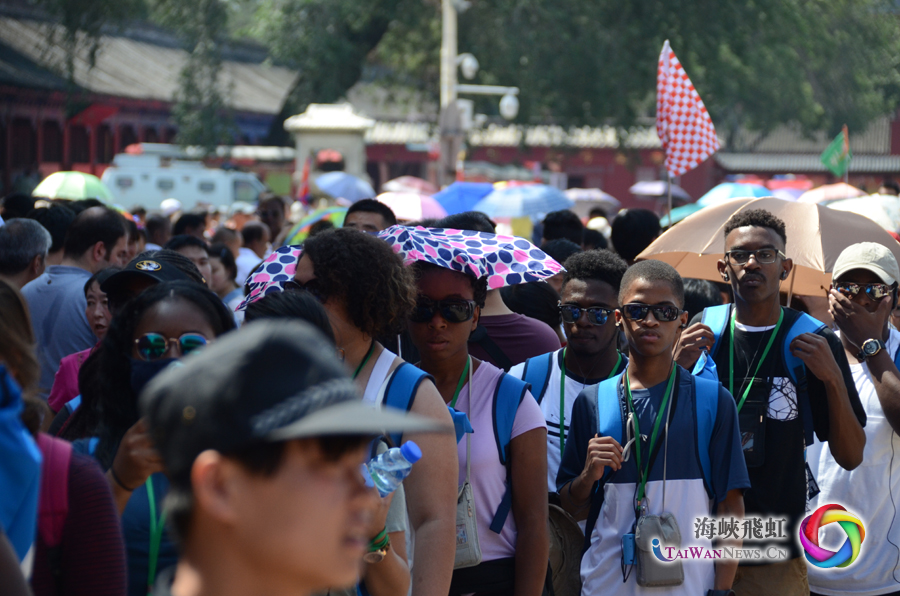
{"x": 831, "y": 192}
{"x": 816, "y": 235}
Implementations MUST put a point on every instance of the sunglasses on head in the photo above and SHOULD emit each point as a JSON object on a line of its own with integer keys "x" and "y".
{"x": 153, "y": 346}
{"x": 765, "y": 256}
{"x": 596, "y": 315}
{"x": 873, "y": 291}
{"x": 312, "y": 286}
{"x": 453, "y": 311}
{"x": 663, "y": 314}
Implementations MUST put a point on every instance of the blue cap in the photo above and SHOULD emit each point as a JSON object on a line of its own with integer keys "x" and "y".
{"x": 411, "y": 452}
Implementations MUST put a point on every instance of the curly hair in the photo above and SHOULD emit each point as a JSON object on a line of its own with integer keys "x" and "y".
{"x": 758, "y": 218}
{"x": 109, "y": 404}
{"x": 479, "y": 285}
{"x": 600, "y": 265}
{"x": 364, "y": 274}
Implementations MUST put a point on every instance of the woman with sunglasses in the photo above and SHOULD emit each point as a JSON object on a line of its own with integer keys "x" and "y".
{"x": 162, "y": 324}
{"x": 447, "y": 311}
{"x": 367, "y": 294}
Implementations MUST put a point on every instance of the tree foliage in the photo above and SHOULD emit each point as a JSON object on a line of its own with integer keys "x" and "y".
{"x": 200, "y": 109}
{"x": 756, "y": 63}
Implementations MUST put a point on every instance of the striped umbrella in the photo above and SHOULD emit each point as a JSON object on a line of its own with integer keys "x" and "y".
{"x": 300, "y": 230}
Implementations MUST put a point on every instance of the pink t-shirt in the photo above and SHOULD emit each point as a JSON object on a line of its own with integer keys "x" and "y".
{"x": 488, "y": 477}
{"x": 65, "y": 383}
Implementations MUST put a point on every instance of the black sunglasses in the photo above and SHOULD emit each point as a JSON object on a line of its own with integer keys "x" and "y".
{"x": 596, "y": 315}
{"x": 873, "y": 291}
{"x": 764, "y": 256}
{"x": 453, "y": 311}
{"x": 663, "y": 314}
{"x": 312, "y": 286}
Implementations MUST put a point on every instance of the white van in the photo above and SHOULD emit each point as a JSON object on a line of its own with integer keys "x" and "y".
{"x": 149, "y": 179}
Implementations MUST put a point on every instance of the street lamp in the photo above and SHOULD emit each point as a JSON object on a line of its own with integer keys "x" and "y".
{"x": 452, "y": 134}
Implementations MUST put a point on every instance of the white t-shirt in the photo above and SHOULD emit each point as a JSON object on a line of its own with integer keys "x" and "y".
{"x": 246, "y": 261}
{"x": 550, "y": 407}
{"x": 871, "y": 491}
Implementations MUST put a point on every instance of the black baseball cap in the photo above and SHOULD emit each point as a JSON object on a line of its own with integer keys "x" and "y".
{"x": 271, "y": 381}
{"x": 153, "y": 267}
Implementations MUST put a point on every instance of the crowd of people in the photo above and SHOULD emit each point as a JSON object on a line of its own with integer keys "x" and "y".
{"x": 184, "y": 410}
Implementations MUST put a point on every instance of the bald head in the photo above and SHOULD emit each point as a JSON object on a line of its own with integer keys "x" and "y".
{"x": 97, "y": 239}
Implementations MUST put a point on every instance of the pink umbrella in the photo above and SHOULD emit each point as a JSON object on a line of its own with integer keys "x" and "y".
{"x": 271, "y": 275}
{"x": 831, "y": 192}
{"x": 410, "y": 184}
{"x": 504, "y": 260}
{"x": 410, "y": 206}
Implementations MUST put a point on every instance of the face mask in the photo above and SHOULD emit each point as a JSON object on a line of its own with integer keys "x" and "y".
{"x": 142, "y": 372}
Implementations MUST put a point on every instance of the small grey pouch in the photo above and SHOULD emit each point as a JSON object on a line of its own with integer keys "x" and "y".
{"x": 468, "y": 549}
{"x": 654, "y": 532}
{"x": 652, "y": 572}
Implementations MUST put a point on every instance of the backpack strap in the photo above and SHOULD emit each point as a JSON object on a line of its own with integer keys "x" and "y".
{"x": 53, "y": 504}
{"x": 480, "y": 336}
{"x": 507, "y": 396}
{"x": 706, "y": 407}
{"x": 609, "y": 412}
{"x": 716, "y": 318}
{"x": 537, "y": 374}
{"x": 797, "y": 370}
{"x": 401, "y": 391}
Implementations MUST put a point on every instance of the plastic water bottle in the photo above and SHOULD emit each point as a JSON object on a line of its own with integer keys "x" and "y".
{"x": 390, "y": 468}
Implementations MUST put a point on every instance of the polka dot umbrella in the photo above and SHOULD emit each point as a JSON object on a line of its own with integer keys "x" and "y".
{"x": 270, "y": 276}
{"x": 505, "y": 260}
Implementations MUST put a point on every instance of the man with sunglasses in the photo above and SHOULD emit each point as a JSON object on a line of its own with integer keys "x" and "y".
{"x": 672, "y": 469}
{"x": 750, "y": 344}
{"x": 590, "y": 289}
{"x": 864, "y": 292}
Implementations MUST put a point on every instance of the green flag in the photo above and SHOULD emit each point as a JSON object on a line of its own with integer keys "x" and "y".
{"x": 836, "y": 156}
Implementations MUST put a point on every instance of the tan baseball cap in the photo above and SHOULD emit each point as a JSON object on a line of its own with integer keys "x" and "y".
{"x": 870, "y": 256}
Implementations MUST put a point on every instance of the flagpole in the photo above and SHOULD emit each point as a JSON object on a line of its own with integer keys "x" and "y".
{"x": 669, "y": 188}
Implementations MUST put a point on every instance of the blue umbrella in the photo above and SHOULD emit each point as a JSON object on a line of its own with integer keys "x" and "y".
{"x": 732, "y": 190}
{"x": 679, "y": 213}
{"x": 462, "y": 196}
{"x": 519, "y": 201}
{"x": 340, "y": 185}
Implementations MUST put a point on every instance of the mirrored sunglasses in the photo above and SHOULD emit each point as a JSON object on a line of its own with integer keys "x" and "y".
{"x": 663, "y": 314}
{"x": 596, "y": 315}
{"x": 873, "y": 291}
{"x": 153, "y": 346}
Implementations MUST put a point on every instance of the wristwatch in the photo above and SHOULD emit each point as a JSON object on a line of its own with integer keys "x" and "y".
{"x": 378, "y": 555}
{"x": 870, "y": 347}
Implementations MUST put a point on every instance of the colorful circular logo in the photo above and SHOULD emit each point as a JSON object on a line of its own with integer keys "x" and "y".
{"x": 809, "y": 537}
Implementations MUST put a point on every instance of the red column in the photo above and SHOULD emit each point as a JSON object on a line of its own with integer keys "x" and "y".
{"x": 92, "y": 145}
{"x": 39, "y": 145}
{"x": 7, "y": 167}
{"x": 67, "y": 147}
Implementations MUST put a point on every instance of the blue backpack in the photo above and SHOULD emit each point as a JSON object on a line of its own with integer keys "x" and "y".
{"x": 399, "y": 394}
{"x": 717, "y": 317}
{"x": 706, "y": 406}
{"x": 537, "y": 374}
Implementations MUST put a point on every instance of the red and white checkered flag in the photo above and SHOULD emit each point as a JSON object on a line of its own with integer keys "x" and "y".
{"x": 682, "y": 122}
